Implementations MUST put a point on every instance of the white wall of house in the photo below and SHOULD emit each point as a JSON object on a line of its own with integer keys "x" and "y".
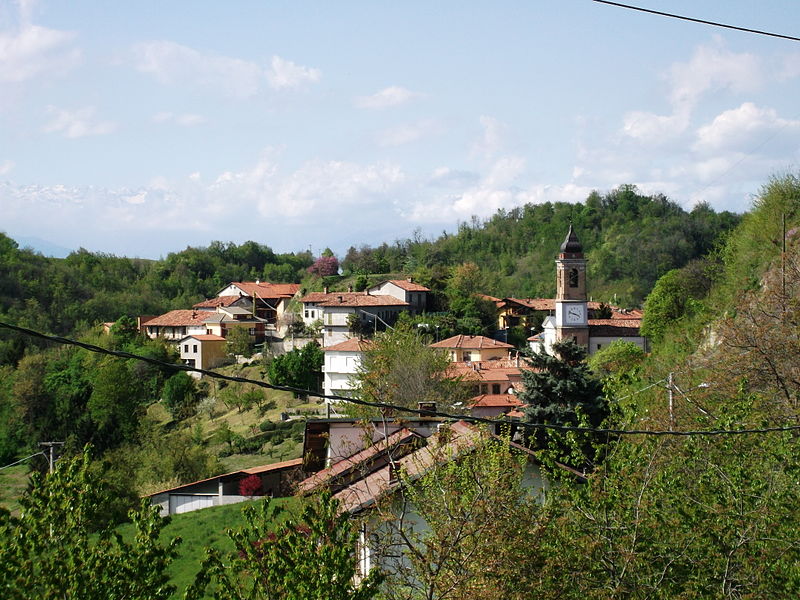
{"x": 339, "y": 368}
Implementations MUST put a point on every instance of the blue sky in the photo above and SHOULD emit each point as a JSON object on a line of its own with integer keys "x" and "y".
{"x": 140, "y": 128}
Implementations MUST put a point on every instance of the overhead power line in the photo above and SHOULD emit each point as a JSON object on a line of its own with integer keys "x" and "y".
{"x": 393, "y": 407}
{"x": 701, "y": 21}
{"x": 22, "y": 460}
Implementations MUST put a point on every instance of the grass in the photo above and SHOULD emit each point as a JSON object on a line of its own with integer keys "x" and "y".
{"x": 203, "y": 529}
{"x": 13, "y": 482}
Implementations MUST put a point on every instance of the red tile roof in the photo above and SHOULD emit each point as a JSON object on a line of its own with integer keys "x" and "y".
{"x": 351, "y": 345}
{"x": 264, "y": 289}
{"x": 205, "y": 338}
{"x": 179, "y": 318}
{"x": 614, "y": 327}
{"x": 470, "y": 342}
{"x": 350, "y": 299}
{"x": 218, "y": 301}
{"x": 502, "y": 400}
{"x": 287, "y": 464}
{"x": 353, "y": 462}
{"x": 408, "y": 286}
{"x": 488, "y": 375}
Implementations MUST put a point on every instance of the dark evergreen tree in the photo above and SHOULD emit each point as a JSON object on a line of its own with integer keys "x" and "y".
{"x": 559, "y": 387}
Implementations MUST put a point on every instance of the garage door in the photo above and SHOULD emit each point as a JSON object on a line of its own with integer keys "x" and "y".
{"x": 189, "y": 502}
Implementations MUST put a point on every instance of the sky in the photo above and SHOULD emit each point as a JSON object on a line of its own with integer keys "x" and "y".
{"x": 141, "y": 128}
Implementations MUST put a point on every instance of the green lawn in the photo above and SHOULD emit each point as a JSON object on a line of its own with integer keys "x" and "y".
{"x": 13, "y": 482}
{"x": 199, "y": 530}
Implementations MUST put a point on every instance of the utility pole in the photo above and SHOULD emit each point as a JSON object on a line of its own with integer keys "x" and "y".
{"x": 50, "y": 458}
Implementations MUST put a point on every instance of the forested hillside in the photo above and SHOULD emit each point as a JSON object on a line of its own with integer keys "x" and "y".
{"x": 630, "y": 240}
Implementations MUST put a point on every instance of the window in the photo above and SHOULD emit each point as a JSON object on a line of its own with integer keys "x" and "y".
{"x": 573, "y": 278}
{"x": 495, "y": 388}
{"x": 194, "y": 348}
{"x": 252, "y": 331}
{"x": 484, "y": 388}
{"x": 599, "y": 346}
{"x": 186, "y": 348}
{"x": 306, "y": 314}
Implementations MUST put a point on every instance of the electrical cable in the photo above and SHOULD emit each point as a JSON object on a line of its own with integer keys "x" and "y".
{"x": 394, "y": 407}
{"x": 701, "y": 21}
{"x": 22, "y": 460}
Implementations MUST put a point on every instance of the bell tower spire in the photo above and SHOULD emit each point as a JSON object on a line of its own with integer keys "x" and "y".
{"x": 572, "y": 315}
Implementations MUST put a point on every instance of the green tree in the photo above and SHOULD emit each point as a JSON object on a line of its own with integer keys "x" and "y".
{"x": 239, "y": 342}
{"x": 299, "y": 368}
{"x": 181, "y": 396}
{"x": 618, "y": 357}
{"x": 558, "y": 386}
{"x": 399, "y": 368}
{"x": 467, "y": 528}
{"x": 52, "y": 550}
{"x": 309, "y": 559}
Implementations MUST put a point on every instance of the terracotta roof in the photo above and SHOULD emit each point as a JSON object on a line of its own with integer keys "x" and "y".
{"x": 264, "y": 289}
{"x": 495, "y": 400}
{"x": 470, "y": 342}
{"x": 296, "y": 462}
{"x": 365, "y": 492}
{"x": 515, "y": 414}
{"x": 614, "y": 327}
{"x": 218, "y": 301}
{"x": 351, "y": 345}
{"x": 407, "y": 285}
{"x": 179, "y": 318}
{"x": 490, "y": 375}
{"x": 534, "y": 303}
{"x": 353, "y": 462}
{"x": 205, "y": 338}
{"x": 497, "y": 301}
{"x": 350, "y": 299}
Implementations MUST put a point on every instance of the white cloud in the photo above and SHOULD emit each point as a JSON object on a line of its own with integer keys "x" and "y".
{"x": 33, "y": 51}
{"x": 387, "y": 97}
{"x": 652, "y": 128}
{"x": 284, "y": 74}
{"x": 742, "y": 128}
{"x": 410, "y": 132}
{"x": 76, "y": 124}
{"x": 186, "y": 120}
{"x": 6, "y": 167}
{"x": 491, "y": 141}
{"x": 713, "y": 68}
{"x": 174, "y": 64}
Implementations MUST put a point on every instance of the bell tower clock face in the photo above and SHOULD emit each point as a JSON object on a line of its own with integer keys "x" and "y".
{"x": 575, "y": 314}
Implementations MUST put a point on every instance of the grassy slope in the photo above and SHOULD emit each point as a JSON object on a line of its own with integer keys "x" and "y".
{"x": 199, "y": 530}
{"x": 13, "y": 482}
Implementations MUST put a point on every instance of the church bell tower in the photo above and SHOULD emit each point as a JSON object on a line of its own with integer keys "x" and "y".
{"x": 572, "y": 314}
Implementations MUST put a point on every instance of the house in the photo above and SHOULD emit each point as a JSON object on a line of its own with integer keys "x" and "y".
{"x": 369, "y": 476}
{"x": 333, "y": 309}
{"x": 489, "y": 377}
{"x": 490, "y": 406}
{"x": 341, "y": 364}
{"x": 413, "y": 294}
{"x": 176, "y": 325}
{"x": 276, "y": 480}
{"x": 572, "y": 318}
{"x": 463, "y": 348}
{"x": 203, "y": 351}
{"x": 271, "y": 299}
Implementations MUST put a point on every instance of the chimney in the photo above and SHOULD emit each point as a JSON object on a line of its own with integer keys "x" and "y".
{"x": 426, "y": 408}
{"x": 325, "y": 289}
{"x": 341, "y": 299}
{"x": 350, "y": 288}
{"x": 258, "y": 282}
{"x": 409, "y": 279}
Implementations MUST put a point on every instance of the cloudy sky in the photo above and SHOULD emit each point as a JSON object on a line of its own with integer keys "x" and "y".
{"x": 138, "y": 128}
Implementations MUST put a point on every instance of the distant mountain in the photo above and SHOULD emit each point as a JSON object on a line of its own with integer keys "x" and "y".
{"x": 43, "y": 247}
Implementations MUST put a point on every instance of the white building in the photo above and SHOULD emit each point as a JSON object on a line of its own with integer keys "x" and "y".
{"x": 414, "y": 294}
{"x": 341, "y": 364}
{"x": 334, "y": 309}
